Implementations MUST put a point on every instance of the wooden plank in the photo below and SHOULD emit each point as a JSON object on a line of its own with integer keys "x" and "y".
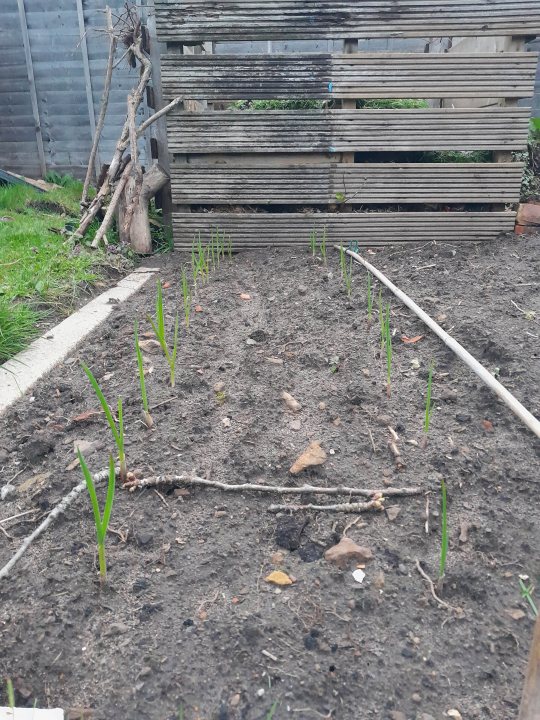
{"x": 293, "y": 229}
{"x": 33, "y": 94}
{"x": 237, "y": 20}
{"x": 343, "y": 76}
{"x": 343, "y": 130}
{"x": 385, "y": 183}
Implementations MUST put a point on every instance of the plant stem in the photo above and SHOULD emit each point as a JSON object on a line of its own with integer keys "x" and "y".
{"x": 102, "y": 564}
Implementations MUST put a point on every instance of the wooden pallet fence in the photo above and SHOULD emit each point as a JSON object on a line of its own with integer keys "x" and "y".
{"x": 192, "y": 21}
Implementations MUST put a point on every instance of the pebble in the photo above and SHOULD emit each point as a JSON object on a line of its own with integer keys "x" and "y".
{"x": 347, "y": 551}
{"x": 402, "y": 569}
{"x": 397, "y": 715}
{"x": 144, "y": 538}
{"x": 235, "y": 700}
{"x": 461, "y": 418}
{"x": 260, "y": 693}
{"x": 295, "y": 425}
{"x": 302, "y": 289}
{"x": 322, "y": 406}
{"x": 416, "y": 698}
{"x": 6, "y": 491}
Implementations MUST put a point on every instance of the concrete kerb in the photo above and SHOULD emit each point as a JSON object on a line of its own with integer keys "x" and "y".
{"x": 20, "y": 373}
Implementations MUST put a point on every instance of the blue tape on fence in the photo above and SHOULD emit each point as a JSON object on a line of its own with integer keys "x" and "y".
{"x": 330, "y": 87}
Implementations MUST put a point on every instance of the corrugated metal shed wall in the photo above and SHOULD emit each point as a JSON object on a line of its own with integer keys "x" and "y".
{"x": 57, "y": 61}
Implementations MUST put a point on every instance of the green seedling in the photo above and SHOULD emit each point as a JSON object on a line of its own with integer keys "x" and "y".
{"x": 381, "y": 320}
{"x": 10, "y": 692}
{"x": 526, "y": 594}
{"x": 221, "y": 397}
{"x": 272, "y": 711}
{"x": 388, "y": 345}
{"x": 444, "y": 532}
{"x": 147, "y": 418}
{"x": 186, "y": 294}
{"x": 322, "y": 245}
{"x": 313, "y": 242}
{"x": 117, "y": 430}
{"x": 429, "y": 406}
{"x": 369, "y": 298}
{"x": 158, "y": 326}
{"x": 101, "y": 521}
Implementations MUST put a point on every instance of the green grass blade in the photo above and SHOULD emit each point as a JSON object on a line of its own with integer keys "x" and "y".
{"x": 160, "y": 320}
{"x": 109, "y": 500}
{"x": 10, "y": 692}
{"x": 140, "y": 365}
{"x": 174, "y": 352}
{"x": 104, "y": 404}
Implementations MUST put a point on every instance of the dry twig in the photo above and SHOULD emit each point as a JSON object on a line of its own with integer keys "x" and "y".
{"x": 432, "y": 589}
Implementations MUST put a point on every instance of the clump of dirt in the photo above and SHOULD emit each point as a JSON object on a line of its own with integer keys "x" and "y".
{"x": 188, "y": 620}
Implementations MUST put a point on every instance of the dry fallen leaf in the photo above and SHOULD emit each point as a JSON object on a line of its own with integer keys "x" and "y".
{"x": 278, "y": 578}
{"x": 487, "y": 425}
{"x": 313, "y": 455}
{"x": 245, "y": 296}
{"x": 86, "y": 415}
{"x": 291, "y": 402}
{"x": 411, "y": 341}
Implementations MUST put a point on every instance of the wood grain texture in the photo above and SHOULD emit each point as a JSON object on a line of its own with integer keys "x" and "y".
{"x": 341, "y": 76}
{"x": 252, "y": 230}
{"x": 342, "y": 130}
{"x": 361, "y": 183}
{"x": 236, "y": 20}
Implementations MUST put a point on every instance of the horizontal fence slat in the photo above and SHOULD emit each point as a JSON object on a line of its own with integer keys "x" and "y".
{"x": 363, "y": 75}
{"x": 348, "y": 130}
{"x": 251, "y": 230}
{"x": 238, "y": 20}
{"x": 356, "y": 183}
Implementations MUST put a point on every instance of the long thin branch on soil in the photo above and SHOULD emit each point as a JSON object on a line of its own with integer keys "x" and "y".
{"x": 158, "y": 480}
{"x": 339, "y": 507}
{"x": 113, "y": 42}
{"x": 58, "y": 510}
{"x": 109, "y": 215}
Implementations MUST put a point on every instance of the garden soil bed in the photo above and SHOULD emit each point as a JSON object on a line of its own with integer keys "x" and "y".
{"x": 188, "y": 620}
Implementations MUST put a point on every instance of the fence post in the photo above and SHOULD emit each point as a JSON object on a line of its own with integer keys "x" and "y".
{"x": 33, "y": 93}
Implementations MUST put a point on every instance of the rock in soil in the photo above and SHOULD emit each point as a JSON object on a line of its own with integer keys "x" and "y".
{"x": 347, "y": 552}
{"x": 314, "y": 455}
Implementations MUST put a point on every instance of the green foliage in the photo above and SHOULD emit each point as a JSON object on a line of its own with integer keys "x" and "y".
{"x": 527, "y": 594}
{"x": 66, "y": 181}
{"x": 278, "y": 105}
{"x": 456, "y": 156}
{"x": 369, "y": 298}
{"x": 158, "y": 326}
{"x": 272, "y": 711}
{"x": 142, "y": 381}
{"x": 444, "y": 531}
{"x": 429, "y": 406}
{"x": 116, "y": 430}
{"x": 101, "y": 521}
{"x": 534, "y": 126}
{"x": 392, "y": 104}
{"x": 10, "y": 692}
{"x": 381, "y": 320}
{"x": 17, "y": 327}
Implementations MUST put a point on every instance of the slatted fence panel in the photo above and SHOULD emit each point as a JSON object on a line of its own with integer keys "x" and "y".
{"x": 310, "y": 131}
{"x": 237, "y": 20}
{"x": 383, "y": 183}
{"x": 340, "y": 76}
{"x": 257, "y": 230}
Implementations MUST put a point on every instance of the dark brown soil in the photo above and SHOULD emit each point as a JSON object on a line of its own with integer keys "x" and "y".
{"x": 188, "y": 620}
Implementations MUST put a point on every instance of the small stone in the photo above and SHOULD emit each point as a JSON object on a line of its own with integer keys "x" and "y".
{"x": 277, "y": 558}
{"x": 392, "y": 512}
{"x": 144, "y": 538}
{"x": 347, "y": 551}
{"x": 279, "y": 578}
{"x": 416, "y": 698}
{"x": 6, "y": 491}
{"x": 295, "y": 425}
{"x": 219, "y": 386}
{"x": 461, "y": 418}
{"x": 291, "y": 402}
{"x": 322, "y": 406}
{"x": 415, "y": 364}
{"x": 220, "y": 513}
{"x": 402, "y": 569}
{"x": 313, "y": 455}
{"x": 453, "y": 713}
{"x": 145, "y": 671}
{"x": 425, "y": 716}
{"x": 116, "y": 629}
{"x": 86, "y": 447}
{"x": 251, "y": 341}
{"x": 226, "y": 422}
{"x": 235, "y": 700}
{"x": 302, "y": 289}
{"x": 397, "y": 715}
{"x": 260, "y": 693}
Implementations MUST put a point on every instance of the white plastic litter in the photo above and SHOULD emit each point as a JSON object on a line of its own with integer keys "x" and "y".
{"x": 359, "y": 575}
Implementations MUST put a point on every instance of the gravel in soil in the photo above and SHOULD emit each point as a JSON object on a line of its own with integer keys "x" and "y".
{"x": 188, "y": 620}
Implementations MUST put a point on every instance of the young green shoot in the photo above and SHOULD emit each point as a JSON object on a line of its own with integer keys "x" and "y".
{"x": 526, "y": 594}
{"x": 158, "y": 326}
{"x": 313, "y": 242}
{"x": 322, "y": 245}
{"x": 147, "y": 418}
{"x": 381, "y": 320}
{"x": 272, "y": 711}
{"x": 10, "y": 692}
{"x": 429, "y": 405}
{"x": 369, "y": 298}
{"x": 117, "y": 427}
{"x": 444, "y": 532}
{"x": 101, "y": 521}
{"x": 388, "y": 344}
{"x": 186, "y": 294}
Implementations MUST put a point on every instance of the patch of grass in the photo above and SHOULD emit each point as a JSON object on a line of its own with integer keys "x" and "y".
{"x": 456, "y": 156}
{"x": 277, "y": 105}
{"x": 36, "y": 261}
{"x": 17, "y": 327}
{"x": 158, "y": 326}
{"x": 392, "y": 104}
{"x": 527, "y": 594}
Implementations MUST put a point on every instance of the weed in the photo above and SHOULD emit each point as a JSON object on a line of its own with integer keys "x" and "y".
{"x": 17, "y": 327}
{"x": 147, "y": 418}
{"x": 388, "y": 345}
{"x": 272, "y": 711}
{"x": 322, "y": 245}
{"x": 180, "y": 714}
{"x": 392, "y": 104}
{"x": 101, "y": 521}
{"x": 10, "y": 692}
{"x": 369, "y": 298}
{"x": 116, "y": 430}
{"x": 526, "y": 594}
{"x": 429, "y": 406}
{"x": 158, "y": 326}
{"x": 186, "y": 294}
{"x": 444, "y": 531}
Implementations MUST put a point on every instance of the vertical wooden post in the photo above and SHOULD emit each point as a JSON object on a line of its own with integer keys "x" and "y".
{"x": 349, "y": 46}
{"x": 88, "y": 83}
{"x": 530, "y": 703}
{"x": 32, "y": 82}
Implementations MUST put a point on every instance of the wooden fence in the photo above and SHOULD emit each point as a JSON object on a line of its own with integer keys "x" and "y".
{"x": 275, "y": 176}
